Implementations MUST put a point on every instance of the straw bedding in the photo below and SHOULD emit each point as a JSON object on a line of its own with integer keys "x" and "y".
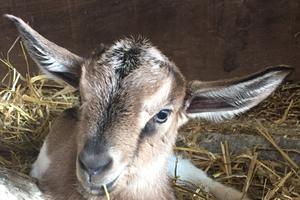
{"x": 28, "y": 105}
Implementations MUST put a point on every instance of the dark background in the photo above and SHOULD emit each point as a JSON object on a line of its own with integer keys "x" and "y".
{"x": 207, "y": 39}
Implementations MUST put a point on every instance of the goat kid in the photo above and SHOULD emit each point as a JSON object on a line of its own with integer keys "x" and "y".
{"x": 133, "y": 100}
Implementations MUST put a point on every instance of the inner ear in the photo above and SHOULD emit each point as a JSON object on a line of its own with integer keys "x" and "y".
{"x": 206, "y": 104}
{"x": 70, "y": 78}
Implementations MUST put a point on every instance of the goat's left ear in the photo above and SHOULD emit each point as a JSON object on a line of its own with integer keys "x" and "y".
{"x": 220, "y": 100}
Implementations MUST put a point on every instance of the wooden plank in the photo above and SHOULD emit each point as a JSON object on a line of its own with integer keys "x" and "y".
{"x": 207, "y": 39}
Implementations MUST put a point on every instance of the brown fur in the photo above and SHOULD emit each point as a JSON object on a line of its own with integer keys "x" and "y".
{"x": 65, "y": 131}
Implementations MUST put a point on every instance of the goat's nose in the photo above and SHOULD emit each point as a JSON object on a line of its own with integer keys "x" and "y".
{"x": 94, "y": 164}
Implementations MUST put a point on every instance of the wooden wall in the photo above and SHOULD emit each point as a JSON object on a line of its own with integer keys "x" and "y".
{"x": 208, "y": 39}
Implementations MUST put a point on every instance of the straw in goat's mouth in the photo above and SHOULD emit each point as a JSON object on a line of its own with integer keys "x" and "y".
{"x": 106, "y": 192}
{"x": 109, "y": 186}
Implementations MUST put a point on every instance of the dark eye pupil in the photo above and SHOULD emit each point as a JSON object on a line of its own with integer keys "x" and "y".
{"x": 162, "y": 116}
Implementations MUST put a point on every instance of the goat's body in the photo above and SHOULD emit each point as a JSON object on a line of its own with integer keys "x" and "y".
{"x": 61, "y": 152}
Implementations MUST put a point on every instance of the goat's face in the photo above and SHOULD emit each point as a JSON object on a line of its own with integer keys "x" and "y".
{"x": 133, "y": 100}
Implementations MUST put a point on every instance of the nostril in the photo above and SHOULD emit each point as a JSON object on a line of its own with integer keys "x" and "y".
{"x": 94, "y": 164}
{"x": 82, "y": 164}
{"x": 108, "y": 162}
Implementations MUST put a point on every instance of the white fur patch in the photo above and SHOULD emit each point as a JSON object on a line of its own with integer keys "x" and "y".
{"x": 187, "y": 172}
{"x": 6, "y": 193}
{"x": 41, "y": 164}
{"x": 10, "y": 192}
{"x": 155, "y": 53}
{"x": 158, "y": 56}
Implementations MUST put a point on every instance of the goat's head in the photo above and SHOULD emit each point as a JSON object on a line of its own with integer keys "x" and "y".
{"x": 133, "y": 100}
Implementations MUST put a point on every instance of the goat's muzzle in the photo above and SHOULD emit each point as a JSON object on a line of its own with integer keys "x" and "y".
{"x": 94, "y": 170}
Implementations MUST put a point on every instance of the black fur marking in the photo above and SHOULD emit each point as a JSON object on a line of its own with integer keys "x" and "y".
{"x": 149, "y": 129}
{"x": 129, "y": 60}
{"x": 129, "y": 54}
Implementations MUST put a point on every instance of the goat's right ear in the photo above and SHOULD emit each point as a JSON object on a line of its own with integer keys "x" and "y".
{"x": 51, "y": 58}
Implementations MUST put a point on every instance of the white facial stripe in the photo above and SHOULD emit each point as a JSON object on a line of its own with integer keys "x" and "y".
{"x": 159, "y": 97}
{"x": 143, "y": 118}
{"x": 154, "y": 102}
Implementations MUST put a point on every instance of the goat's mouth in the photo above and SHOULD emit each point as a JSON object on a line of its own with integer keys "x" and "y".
{"x": 99, "y": 190}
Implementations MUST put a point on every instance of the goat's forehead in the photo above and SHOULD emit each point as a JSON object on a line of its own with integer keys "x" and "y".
{"x": 131, "y": 67}
{"x": 124, "y": 57}
{"x": 128, "y": 54}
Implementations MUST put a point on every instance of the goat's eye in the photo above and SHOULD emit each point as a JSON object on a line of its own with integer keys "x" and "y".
{"x": 162, "y": 116}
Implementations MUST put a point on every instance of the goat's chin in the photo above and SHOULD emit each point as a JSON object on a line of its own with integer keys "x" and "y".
{"x": 88, "y": 189}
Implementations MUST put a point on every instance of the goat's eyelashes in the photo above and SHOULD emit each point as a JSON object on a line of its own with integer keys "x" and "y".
{"x": 162, "y": 116}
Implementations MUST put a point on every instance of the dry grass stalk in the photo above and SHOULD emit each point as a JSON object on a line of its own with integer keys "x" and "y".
{"x": 251, "y": 172}
{"x": 268, "y": 136}
{"x": 272, "y": 192}
{"x": 226, "y": 158}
